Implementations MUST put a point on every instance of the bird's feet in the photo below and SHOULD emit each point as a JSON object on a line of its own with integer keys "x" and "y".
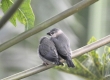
{"x": 45, "y": 64}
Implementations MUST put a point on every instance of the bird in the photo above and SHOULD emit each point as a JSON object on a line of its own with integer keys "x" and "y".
{"x": 48, "y": 52}
{"x": 62, "y": 45}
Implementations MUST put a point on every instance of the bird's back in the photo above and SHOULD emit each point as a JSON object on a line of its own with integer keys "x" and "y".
{"x": 62, "y": 45}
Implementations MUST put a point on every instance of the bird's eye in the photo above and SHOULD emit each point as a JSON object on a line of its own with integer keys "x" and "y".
{"x": 52, "y": 32}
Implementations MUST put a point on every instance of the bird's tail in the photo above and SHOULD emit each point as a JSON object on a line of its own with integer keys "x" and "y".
{"x": 70, "y": 63}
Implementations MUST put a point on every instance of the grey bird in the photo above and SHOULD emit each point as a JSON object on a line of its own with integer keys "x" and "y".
{"x": 62, "y": 45}
{"x": 48, "y": 53}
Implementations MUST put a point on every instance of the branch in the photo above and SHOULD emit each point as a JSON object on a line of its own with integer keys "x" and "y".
{"x": 76, "y": 53}
{"x": 10, "y": 12}
{"x": 82, "y": 4}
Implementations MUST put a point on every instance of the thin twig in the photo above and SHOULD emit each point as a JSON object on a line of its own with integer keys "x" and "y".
{"x": 10, "y": 12}
{"x": 75, "y": 53}
{"x": 82, "y": 4}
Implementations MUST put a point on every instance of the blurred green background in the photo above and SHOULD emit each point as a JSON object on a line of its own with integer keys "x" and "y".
{"x": 80, "y": 27}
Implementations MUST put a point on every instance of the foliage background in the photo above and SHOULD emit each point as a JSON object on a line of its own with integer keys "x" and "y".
{"x": 91, "y": 21}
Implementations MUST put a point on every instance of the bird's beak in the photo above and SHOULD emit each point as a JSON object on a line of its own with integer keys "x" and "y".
{"x": 49, "y": 33}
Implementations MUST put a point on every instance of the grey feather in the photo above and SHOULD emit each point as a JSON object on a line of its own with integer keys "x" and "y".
{"x": 47, "y": 51}
{"x": 62, "y": 45}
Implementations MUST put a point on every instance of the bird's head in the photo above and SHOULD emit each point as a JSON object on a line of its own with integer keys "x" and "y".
{"x": 54, "y": 32}
{"x": 43, "y": 39}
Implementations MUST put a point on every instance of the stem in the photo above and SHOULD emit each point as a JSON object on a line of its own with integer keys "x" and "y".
{"x": 82, "y": 4}
{"x": 10, "y": 12}
{"x": 76, "y": 53}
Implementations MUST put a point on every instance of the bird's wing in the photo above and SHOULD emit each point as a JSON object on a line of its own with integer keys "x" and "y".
{"x": 48, "y": 52}
{"x": 61, "y": 47}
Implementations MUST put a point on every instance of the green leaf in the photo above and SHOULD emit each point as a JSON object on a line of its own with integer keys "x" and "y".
{"x": 28, "y": 13}
{"x": 5, "y": 6}
{"x": 96, "y": 61}
{"x": 83, "y": 64}
{"x": 24, "y": 14}
{"x": 93, "y": 39}
{"x": 106, "y": 63}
